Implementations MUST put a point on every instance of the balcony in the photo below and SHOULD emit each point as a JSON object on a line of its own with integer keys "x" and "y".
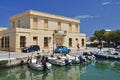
{"x": 60, "y": 32}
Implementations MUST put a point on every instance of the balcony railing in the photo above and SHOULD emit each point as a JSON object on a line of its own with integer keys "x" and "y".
{"x": 60, "y": 32}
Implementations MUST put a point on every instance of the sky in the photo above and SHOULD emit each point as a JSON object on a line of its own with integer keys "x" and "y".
{"x": 93, "y": 14}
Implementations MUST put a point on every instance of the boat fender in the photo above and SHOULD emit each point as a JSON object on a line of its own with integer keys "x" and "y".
{"x": 30, "y": 60}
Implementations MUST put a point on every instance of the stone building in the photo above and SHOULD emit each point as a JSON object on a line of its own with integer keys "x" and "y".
{"x": 43, "y": 29}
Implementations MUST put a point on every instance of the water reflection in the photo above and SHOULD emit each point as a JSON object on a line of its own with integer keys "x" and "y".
{"x": 100, "y": 69}
{"x": 25, "y": 73}
{"x": 108, "y": 64}
{"x": 39, "y": 75}
{"x": 66, "y": 73}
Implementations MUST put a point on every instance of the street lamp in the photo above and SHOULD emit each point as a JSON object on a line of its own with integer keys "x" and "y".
{"x": 8, "y": 45}
{"x": 53, "y": 44}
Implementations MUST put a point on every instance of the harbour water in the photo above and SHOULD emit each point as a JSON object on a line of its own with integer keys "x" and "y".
{"x": 99, "y": 70}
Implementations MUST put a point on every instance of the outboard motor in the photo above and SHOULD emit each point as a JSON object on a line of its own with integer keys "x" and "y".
{"x": 67, "y": 62}
{"x": 81, "y": 58}
{"x": 115, "y": 53}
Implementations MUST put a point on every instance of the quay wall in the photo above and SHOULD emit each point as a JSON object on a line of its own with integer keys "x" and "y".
{"x": 19, "y": 60}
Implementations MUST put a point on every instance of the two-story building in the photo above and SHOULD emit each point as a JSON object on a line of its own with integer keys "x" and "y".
{"x": 43, "y": 29}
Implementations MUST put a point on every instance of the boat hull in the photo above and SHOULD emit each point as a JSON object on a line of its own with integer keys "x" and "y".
{"x": 106, "y": 55}
{"x": 38, "y": 66}
{"x": 56, "y": 61}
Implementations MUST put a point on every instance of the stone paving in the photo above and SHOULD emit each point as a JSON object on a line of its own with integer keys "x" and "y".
{"x": 15, "y": 58}
{"x": 5, "y": 55}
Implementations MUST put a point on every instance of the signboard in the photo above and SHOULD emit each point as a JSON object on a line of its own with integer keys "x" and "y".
{"x": 61, "y": 32}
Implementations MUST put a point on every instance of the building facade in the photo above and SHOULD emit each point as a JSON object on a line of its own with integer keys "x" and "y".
{"x": 43, "y": 29}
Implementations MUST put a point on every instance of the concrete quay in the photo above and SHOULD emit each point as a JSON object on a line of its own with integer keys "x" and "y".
{"x": 15, "y": 58}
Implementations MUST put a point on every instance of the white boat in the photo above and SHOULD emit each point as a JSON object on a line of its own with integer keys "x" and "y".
{"x": 56, "y": 61}
{"x": 38, "y": 66}
{"x": 106, "y": 55}
{"x": 73, "y": 59}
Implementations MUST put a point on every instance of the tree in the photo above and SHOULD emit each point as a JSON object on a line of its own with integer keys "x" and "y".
{"x": 99, "y": 34}
{"x": 108, "y": 36}
{"x": 116, "y": 36}
{"x": 92, "y": 38}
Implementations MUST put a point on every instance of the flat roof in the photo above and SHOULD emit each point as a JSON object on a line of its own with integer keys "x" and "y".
{"x": 45, "y": 15}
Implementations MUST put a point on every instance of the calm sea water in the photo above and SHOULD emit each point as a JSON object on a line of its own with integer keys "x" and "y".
{"x": 99, "y": 70}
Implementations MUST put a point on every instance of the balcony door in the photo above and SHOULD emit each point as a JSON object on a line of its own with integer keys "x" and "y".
{"x": 59, "y": 41}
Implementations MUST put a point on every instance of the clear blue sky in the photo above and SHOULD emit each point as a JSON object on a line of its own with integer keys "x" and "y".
{"x": 93, "y": 14}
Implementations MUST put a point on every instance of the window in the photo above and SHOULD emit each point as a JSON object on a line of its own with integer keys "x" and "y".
{"x": 70, "y": 28}
{"x": 70, "y": 42}
{"x": 82, "y": 42}
{"x": 76, "y": 28}
{"x": 46, "y": 24}
{"x": 13, "y": 24}
{"x": 7, "y": 42}
{"x": 59, "y": 25}
{"x": 45, "y": 41}
{"x": 18, "y": 23}
{"x": 22, "y": 41}
{"x": 2, "y": 42}
{"x": 35, "y": 40}
{"x": 76, "y": 39}
{"x": 35, "y": 22}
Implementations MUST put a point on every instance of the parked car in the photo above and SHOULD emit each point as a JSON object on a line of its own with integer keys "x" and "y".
{"x": 31, "y": 48}
{"x": 62, "y": 49}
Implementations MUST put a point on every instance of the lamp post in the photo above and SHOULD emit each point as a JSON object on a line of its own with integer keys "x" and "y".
{"x": 8, "y": 42}
{"x": 53, "y": 43}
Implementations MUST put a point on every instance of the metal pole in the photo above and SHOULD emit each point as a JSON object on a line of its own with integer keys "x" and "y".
{"x": 9, "y": 53}
{"x": 9, "y": 56}
{"x": 53, "y": 44}
{"x": 8, "y": 39}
